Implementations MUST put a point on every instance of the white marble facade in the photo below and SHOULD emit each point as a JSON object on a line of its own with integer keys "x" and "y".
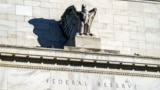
{"x": 125, "y": 25}
{"x": 23, "y": 79}
{"x": 30, "y": 79}
{"x": 3, "y": 79}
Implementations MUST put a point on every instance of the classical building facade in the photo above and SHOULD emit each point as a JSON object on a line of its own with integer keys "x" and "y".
{"x": 126, "y": 37}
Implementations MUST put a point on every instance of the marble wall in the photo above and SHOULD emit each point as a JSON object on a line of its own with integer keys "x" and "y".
{"x": 128, "y": 26}
{"x": 30, "y": 79}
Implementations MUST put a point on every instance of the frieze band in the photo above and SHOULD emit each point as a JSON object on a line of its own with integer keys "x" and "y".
{"x": 78, "y": 69}
{"x": 85, "y": 83}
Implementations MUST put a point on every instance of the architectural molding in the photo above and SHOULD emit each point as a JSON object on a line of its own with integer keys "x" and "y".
{"x": 79, "y": 69}
{"x": 19, "y": 53}
{"x": 143, "y": 1}
{"x": 84, "y": 55}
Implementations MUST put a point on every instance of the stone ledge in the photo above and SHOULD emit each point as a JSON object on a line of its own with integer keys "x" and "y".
{"x": 27, "y": 55}
{"x": 87, "y": 51}
{"x": 144, "y": 1}
{"x": 80, "y": 49}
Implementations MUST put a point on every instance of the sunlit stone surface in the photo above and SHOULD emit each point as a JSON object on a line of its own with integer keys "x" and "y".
{"x": 23, "y": 79}
{"x": 124, "y": 25}
{"x": 23, "y": 10}
{"x": 133, "y": 28}
{"x": 3, "y": 79}
{"x": 29, "y": 79}
{"x": 87, "y": 42}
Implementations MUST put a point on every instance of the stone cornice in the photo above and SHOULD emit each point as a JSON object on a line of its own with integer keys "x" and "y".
{"x": 81, "y": 55}
{"x": 79, "y": 69}
{"x": 144, "y": 1}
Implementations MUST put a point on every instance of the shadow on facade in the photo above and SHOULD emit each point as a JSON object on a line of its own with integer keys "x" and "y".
{"x": 49, "y": 33}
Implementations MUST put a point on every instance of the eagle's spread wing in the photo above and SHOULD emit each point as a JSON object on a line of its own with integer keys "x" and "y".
{"x": 70, "y": 22}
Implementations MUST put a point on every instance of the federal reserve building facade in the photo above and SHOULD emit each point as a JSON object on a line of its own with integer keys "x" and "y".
{"x": 79, "y": 45}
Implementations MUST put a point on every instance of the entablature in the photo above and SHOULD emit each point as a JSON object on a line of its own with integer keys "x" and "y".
{"x": 79, "y": 57}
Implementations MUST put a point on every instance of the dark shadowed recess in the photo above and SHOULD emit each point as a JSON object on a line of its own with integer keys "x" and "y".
{"x": 49, "y": 33}
{"x": 79, "y": 63}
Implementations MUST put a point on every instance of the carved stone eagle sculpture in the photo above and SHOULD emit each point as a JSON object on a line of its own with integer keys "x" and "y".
{"x": 73, "y": 21}
{"x": 57, "y": 34}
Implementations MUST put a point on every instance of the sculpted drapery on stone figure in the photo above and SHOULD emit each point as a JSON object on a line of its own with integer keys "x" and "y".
{"x": 73, "y": 21}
